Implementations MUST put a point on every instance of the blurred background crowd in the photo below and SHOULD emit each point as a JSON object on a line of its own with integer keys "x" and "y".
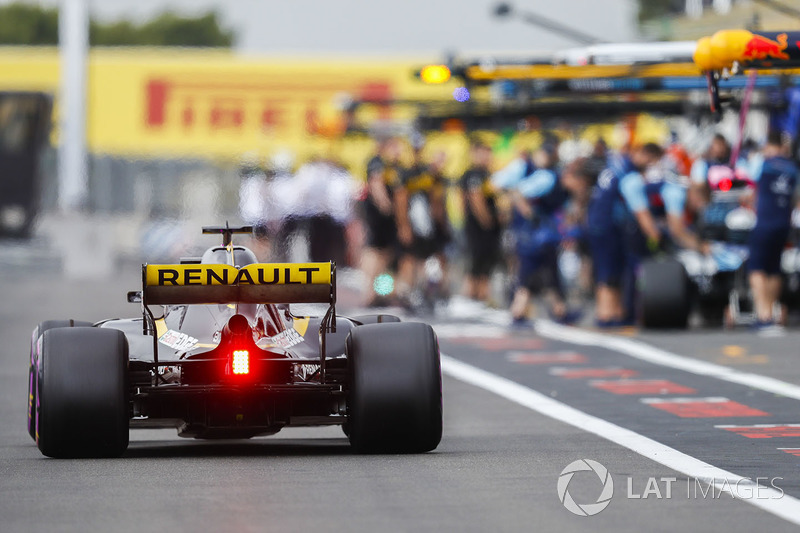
{"x": 569, "y": 222}
{"x": 535, "y": 191}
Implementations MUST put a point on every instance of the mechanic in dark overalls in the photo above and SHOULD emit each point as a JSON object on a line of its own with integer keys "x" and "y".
{"x": 719, "y": 153}
{"x": 776, "y": 180}
{"x": 642, "y": 234}
{"x": 605, "y": 215}
{"x": 378, "y": 208}
{"x": 717, "y": 157}
{"x": 422, "y": 208}
{"x": 482, "y": 223}
{"x": 539, "y": 201}
{"x": 667, "y": 199}
{"x": 621, "y": 231}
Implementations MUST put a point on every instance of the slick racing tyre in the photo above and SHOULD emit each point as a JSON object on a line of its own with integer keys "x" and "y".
{"x": 394, "y": 388}
{"x": 364, "y": 320}
{"x": 375, "y": 319}
{"x": 664, "y": 295}
{"x": 38, "y": 332}
{"x": 83, "y": 394}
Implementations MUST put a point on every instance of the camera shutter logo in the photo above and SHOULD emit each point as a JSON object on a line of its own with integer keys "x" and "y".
{"x": 586, "y": 509}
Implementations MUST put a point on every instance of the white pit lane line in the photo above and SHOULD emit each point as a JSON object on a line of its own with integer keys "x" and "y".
{"x": 772, "y": 501}
{"x": 651, "y": 354}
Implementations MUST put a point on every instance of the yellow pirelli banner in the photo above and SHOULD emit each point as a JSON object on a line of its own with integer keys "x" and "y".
{"x": 168, "y": 103}
{"x": 208, "y": 103}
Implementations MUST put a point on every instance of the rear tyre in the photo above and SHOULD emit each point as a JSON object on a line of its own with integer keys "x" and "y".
{"x": 664, "y": 295}
{"x": 83, "y": 395}
{"x": 364, "y": 320}
{"x": 395, "y": 388}
{"x": 37, "y": 332}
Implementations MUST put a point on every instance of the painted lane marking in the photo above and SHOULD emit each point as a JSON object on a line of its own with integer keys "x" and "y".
{"x": 781, "y": 505}
{"x": 651, "y": 354}
{"x": 641, "y": 386}
{"x": 733, "y": 350}
{"x": 760, "y": 359}
{"x": 584, "y": 373}
{"x": 715, "y": 407}
{"x": 709, "y": 399}
{"x": 791, "y": 451}
{"x": 500, "y": 343}
{"x": 737, "y": 355}
{"x": 468, "y": 332}
{"x": 546, "y": 358}
{"x": 764, "y": 431}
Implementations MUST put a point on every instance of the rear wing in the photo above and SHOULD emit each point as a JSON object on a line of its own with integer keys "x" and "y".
{"x": 258, "y": 283}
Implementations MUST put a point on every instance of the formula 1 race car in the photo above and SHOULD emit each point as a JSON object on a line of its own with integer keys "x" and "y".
{"x": 229, "y": 359}
{"x": 714, "y": 285}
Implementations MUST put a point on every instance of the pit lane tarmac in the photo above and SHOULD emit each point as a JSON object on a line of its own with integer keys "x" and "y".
{"x": 704, "y": 419}
{"x": 496, "y": 469}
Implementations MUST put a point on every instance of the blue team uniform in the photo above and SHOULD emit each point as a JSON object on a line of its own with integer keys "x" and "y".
{"x": 665, "y": 198}
{"x": 538, "y": 239}
{"x": 661, "y": 199}
{"x": 776, "y": 180}
{"x": 617, "y": 243}
{"x": 607, "y": 216}
{"x": 509, "y": 178}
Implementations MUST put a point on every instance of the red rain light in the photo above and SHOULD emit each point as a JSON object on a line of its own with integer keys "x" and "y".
{"x": 241, "y": 362}
{"x": 725, "y": 184}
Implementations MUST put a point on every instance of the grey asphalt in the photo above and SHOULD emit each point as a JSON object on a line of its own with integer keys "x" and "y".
{"x": 496, "y": 469}
{"x": 694, "y": 433}
{"x": 777, "y": 357}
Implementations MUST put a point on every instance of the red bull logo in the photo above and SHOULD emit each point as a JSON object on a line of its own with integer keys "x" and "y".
{"x": 726, "y": 47}
{"x": 760, "y": 47}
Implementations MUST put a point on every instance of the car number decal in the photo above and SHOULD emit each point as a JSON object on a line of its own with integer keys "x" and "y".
{"x": 177, "y": 341}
